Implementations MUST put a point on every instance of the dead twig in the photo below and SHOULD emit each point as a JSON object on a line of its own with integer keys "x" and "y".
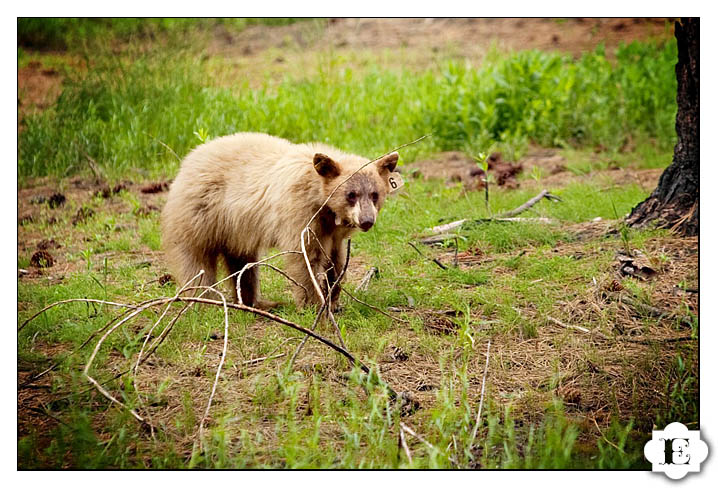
{"x": 506, "y": 216}
{"x": 435, "y": 260}
{"x": 221, "y": 362}
{"x": 655, "y": 312}
{"x": 606, "y": 439}
{"x": 86, "y": 370}
{"x": 259, "y": 312}
{"x": 481, "y": 401}
{"x": 84, "y": 343}
{"x": 165, "y": 146}
{"x": 329, "y": 312}
{"x": 570, "y": 326}
{"x": 445, "y": 228}
{"x": 45, "y": 412}
{"x": 544, "y": 194}
{"x": 402, "y": 442}
{"x": 416, "y": 435}
{"x": 643, "y": 341}
{"x": 439, "y": 238}
{"x": 255, "y": 361}
{"x": 99, "y": 176}
{"x": 374, "y": 307}
{"x": 325, "y": 305}
{"x": 423, "y": 440}
{"x": 95, "y": 301}
{"x": 161, "y": 337}
{"x": 364, "y": 283}
{"x": 262, "y": 262}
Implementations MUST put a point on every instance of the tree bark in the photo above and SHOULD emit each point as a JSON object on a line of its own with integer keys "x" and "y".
{"x": 674, "y": 202}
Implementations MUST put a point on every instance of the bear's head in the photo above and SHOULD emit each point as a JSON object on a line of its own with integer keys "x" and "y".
{"x": 355, "y": 202}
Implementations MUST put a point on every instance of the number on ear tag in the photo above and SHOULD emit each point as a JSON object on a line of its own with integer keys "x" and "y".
{"x": 395, "y": 181}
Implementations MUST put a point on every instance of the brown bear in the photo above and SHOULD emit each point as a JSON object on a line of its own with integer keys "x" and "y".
{"x": 237, "y": 196}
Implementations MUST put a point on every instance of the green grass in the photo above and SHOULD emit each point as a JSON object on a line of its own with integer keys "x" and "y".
{"x": 128, "y": 110}
{"x": 271, "y": 417}
{"x": 76, "y": 34}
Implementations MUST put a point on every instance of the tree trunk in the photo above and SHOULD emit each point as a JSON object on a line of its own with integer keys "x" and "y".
{"x": 674, "y": 202}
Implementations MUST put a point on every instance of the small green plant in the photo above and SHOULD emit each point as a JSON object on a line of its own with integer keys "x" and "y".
{"x": 681, "y": 385}
{"x": 537, "y": 173}
{"x": 202, "y": 134}
{"x": 624, "y": 231}
{"x": 482, "y": 161}
{"x": 87, "y": 255}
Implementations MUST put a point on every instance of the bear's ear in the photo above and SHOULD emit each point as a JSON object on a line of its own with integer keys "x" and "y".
{"x": 325, "y": 166}
{"x": 387, "y": 163}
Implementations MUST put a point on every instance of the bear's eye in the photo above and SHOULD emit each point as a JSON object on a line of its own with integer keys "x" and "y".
{"x": 374, "y": 197}
{"x": 352, "y": 197}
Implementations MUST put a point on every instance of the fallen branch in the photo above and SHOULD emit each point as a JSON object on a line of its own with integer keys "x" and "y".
{"x": 506, "y": 216}
{"x": 280, "y": 320}
{"x": 86, "y": 370}
{"x": 84, "y": 343}
{"x": 544, "y": 194}
{"x": 445, "y": 228}
{"x": 194, "y": 300}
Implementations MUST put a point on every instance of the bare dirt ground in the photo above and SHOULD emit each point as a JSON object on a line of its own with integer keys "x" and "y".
{"x": 467, "y": 36}
{"x": 454, "y": 167}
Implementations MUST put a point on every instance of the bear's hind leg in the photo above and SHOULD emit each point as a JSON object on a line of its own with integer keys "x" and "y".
{"x": 250, "y": 282}
{"x": 191, "y": 267}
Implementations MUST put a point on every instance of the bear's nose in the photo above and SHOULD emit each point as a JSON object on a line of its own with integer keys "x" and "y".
{"x": 366, "y": 225}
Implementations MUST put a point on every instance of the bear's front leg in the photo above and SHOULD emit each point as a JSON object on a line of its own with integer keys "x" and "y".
{"x": 305, "y": 293}
{"x": 335, "y": 271}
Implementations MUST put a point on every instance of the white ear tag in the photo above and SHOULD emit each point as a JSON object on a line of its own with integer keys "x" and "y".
{"x": 395, "y": 181}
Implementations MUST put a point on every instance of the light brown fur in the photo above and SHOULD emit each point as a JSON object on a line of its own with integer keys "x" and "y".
{"x": 237, "y": 196}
